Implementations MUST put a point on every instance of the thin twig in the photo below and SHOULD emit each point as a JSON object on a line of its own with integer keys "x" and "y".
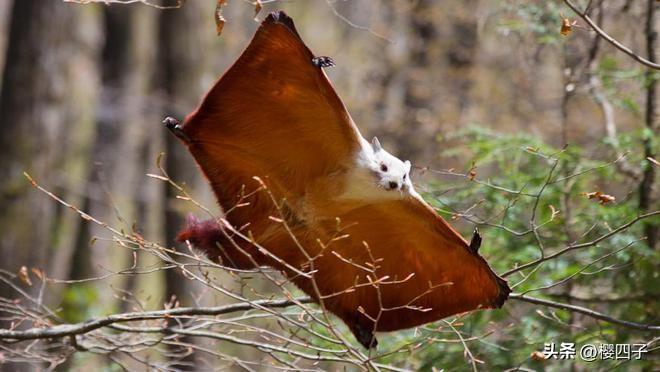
{"x": 65, "y": 330}
{"x": 610, "y": 39}
{"x": 583, "y": 310}
{"x": 582, "y": 245}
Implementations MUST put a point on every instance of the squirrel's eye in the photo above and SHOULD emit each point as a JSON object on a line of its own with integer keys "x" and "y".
{"x": 404, "y": 177}
{"x": 383, "y": 167}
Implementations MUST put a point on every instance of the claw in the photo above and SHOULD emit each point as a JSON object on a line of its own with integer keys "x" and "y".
{"x": 175, "y": 127}
{"x": 475, "y": 243}
{"x": 323, "y": 61}
{"x": 365, "y": 337}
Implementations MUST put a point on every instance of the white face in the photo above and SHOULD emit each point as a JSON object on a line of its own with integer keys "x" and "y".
{"x": 391, "y": 173}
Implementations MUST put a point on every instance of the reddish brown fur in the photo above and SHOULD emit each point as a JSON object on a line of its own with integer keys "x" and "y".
{"x": 275, "y": 115}
{"x": 212, "y": 240}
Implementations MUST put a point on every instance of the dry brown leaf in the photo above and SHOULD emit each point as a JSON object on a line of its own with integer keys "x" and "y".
{"x": 219, "y": 19}
{"x": 537, "y": 355}
{"x": 38, "y": 273}
{"x": 257, "y": 8}
{"x": 566, "y": 25}
{"x": 473, "y": 172}
{"x": 601, "y": 197}
{"x": 24, "y": 275}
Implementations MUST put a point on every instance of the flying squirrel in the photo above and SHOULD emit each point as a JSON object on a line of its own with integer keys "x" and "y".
{"x": 305, "y": 193}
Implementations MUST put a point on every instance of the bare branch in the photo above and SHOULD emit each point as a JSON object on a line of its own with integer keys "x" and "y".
{"x": 610, "y": 39}
{"x": 65, "y": 330}
{"x": 582, "y": 245}
{"x": 179, "y": 3}
{"x": 583, "y": 310}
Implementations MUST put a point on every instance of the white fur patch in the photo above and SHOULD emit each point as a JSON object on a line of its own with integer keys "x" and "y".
{"x": 377, "y": 175}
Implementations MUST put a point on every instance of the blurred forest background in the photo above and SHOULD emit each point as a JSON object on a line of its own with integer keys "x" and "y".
{"x": 500, "y": 114}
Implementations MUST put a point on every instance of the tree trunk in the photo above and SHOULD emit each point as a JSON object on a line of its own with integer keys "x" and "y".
{"x": 118, "y": 188}
{"x": 183, "y": 58}
{"x": 5, "y": 8}
{"x": 647, "y": 197}
{"x": 47, "y": 105}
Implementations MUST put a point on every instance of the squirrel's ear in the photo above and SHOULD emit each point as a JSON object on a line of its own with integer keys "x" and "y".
{"x": 407, "y": 165}
{"x": 375, "y": 144}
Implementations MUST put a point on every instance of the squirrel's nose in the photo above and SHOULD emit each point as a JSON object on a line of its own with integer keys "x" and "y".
{"x": 393, "y": 185}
